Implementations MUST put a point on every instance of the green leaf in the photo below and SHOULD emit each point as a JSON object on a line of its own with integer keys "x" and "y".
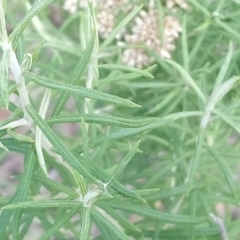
{"x": 58, "y": 145}
{"x": 126, "y": 68}
{"x": 3, "y": 147}
{"x": 37, "y": 6}
{"x": 224, "y": 67}
{"x": 81, "y": 91}
{"x": 17, "y": 215}
{"x": 196, "y": 156}
{"x": 155, "y": 178}
{"x": 185, "y": 44}
{"x": 108, "y": 224}
{"x": 16, "y": 146}
{"x": 19, "y": 137}
{"x": 156, "y": 215}
{"x": 3, "y": 29}
{"x": 173, "y": 191}
{"x": 127, "y": 132}
{"x": 11, "y": 117}
{"x": 54, "y": 185}
{"x": 123, "y": 77}
{"x": 21, "y": 193}
{"x": 202, "y": 233}
{"x": 221, "y": 91}
{"x": 227, "y": 28}
{"x": 121, "y": 166}
{"x": 37, "y": 51}
{"x": 4, "y": 66}
{"x": 59, "y": 223}
{"x": 119, "y": 27}
{"x": 77, "y": 74}
{"x": 226, "y": 171}
{"x": 101, "y": 119}
{"x": 85, "y": 220}
{"x": 44, "y": 204}
{"x": 98, "y": 172}
{"x": 169, "y": 98}
{"x": 85, "y": 144}
{"x": 121, "y": 220}
{"x": 228, "y": 120}
{"x": 187, "y": 78}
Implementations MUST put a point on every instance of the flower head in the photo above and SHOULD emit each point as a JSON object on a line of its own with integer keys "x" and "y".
{"x": 147, "y": 31}
{"x": 173, "y": 3}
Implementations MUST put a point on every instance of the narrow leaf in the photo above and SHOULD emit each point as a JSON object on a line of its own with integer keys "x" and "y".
{"x": 120, "y": 167}
{"x": 44, "y": 204}
{"x": 196, "y": 156}
{"x": 37, "y": 51}
{"x": 185, "y": 44}
{"x": 4, "y": 66}
{"x": 127, "y": 132}
{"x": 126, "y": 68}
{"x": 77, "y": 74}
{"x": 3, "y": 147}
{"x": 84, "y": 234}
{"x": 188, "y": 79}
{"x": 226, "y": 171}
{"x": 22, "y": 191}
{"x": 81, "y": 91}
{"x": 123, "y": 77}
{"x": 54, "y": 185}
{"x": 228, "y": 120}
{"x": 37, "y": 6}
{"x": 101, "y": 119}
{"x": 59, "y": 223}
{"x": 157, "y": 215}
{"x": 85, "y": 144}
{"x": 19, "y": 137}
{"x": 108, "y": 224}
{"x": 221, "y": 91}
{"x": 121, "y": 219}
{"x": 58, "y": 145}
{"x": 11, "y": 117}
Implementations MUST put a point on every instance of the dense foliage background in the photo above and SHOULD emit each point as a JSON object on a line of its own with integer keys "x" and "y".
{"x": 72, "y": 165}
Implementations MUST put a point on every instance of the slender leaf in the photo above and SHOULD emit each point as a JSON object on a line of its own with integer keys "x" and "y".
{"x": 196, "y": 156}
{"x": 37, "y": 6}
{"x": 157, "y": 215}
{"x": 58, "y": 145}
{"x": 78, "y": 72}
{"x": 188, "y": 79}
{"x": 85, "y": 229}
{"x": 59, "y": 223}
{"x": 19, "y": 137}
{"x": 120, "y": 167}
{"x": 4, "y": 66}
{"x": 101, "y": 119}
{"x": 185, "y": 44}
{"x": 108, "y": 224}
{"x": 37, "y": 51}
{"x": 126, "y": 68}
{"x": 81, "y": 91}
{"x": 221, "y": 91}
{"x": 226, "y": 171}
{"x": 20, "y": 195}
{"x": 44, "y": 204}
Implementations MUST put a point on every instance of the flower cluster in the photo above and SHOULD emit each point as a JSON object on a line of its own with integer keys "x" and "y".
{"x": 146, "y": 30}
{"x": 72, "y": 5}
{"x": 174, "y": 3}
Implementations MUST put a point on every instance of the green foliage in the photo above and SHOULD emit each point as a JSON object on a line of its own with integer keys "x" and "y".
{"x": 152, "y": 152}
